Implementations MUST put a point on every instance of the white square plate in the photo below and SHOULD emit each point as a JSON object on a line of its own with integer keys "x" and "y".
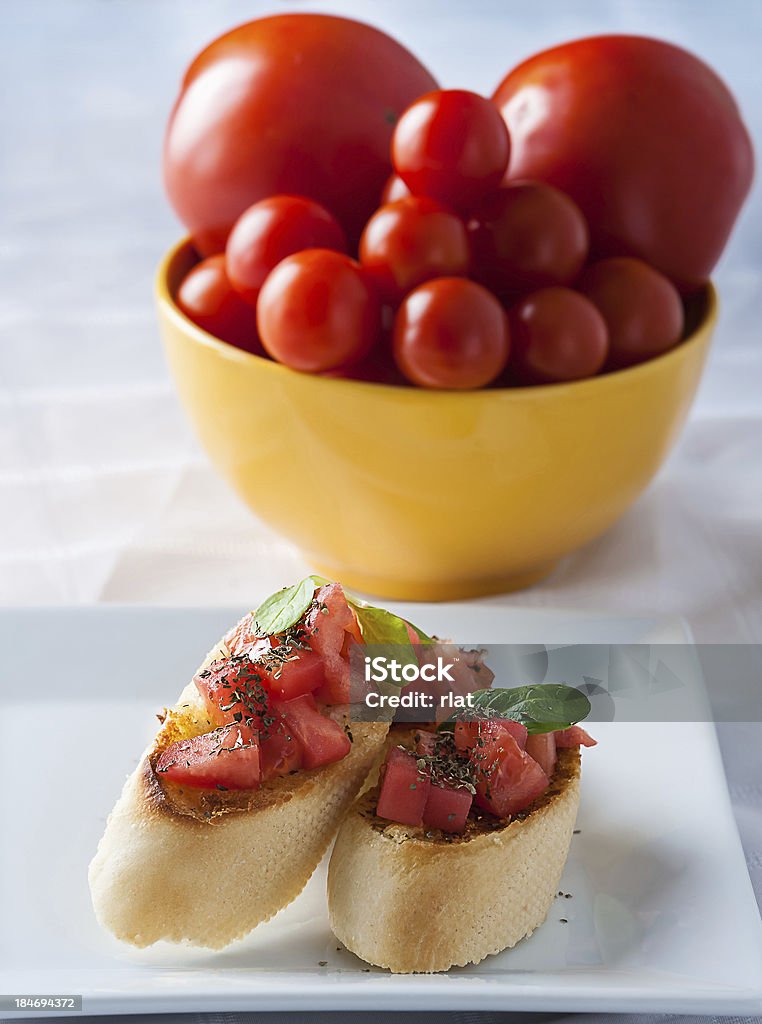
{"x": 661, "y": 918}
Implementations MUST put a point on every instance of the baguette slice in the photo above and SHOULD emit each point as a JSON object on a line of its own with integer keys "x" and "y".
{"x": 412, "y": 901}
{"x": 206, "y": 867}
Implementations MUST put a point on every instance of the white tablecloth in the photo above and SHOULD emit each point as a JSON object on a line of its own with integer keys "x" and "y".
{"x": 104, "y": 494}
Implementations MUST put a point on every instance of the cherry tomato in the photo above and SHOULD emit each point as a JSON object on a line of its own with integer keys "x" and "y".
{"x": 451, "y": 333}
{"x": 209, "y": 300}
{"x": 451, "y": 145}
{"x": 528, "y": 235}
{"x": 645, "y": 138}
{"x": 316, "y": 311}
{"x": 410, "y": 241}
{"x": 395, "y": 188}
{"x": 272, "y": 229}
{"x": 557, "y": 334}
{"x": 293, "y": 104}
{"x": 641, "y": 307}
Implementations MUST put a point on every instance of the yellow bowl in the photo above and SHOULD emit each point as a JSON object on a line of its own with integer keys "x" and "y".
{"x": 423, "y": 495}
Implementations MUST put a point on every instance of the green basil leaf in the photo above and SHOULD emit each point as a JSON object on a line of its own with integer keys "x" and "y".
{"x": 543, "y": 707}
{"x": 283, "y": 609}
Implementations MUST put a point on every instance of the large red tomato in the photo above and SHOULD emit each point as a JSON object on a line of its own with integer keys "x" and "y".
{"x": 303, "y": 104}
{"x": 644, "y": 137}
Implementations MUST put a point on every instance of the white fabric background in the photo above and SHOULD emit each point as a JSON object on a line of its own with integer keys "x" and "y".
{"x": 104, "y": 494}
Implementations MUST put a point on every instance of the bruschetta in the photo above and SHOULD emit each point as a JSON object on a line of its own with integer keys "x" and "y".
{"x": 240, "y": 792}
{"x": 458, "y": 851}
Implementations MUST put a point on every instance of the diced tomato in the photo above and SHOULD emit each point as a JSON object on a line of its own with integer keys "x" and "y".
{"x": 473, "y": 733}
{"x": 227, "y": 758}
{"x": 542, "y": 747}
{"x": 574, "y": 736}
{"x": 304, "y": 674}
{"x": 426, "y": 743}
{"x": 280, "y": 752}
{"x": 447, "y": 808}
{"x": 322, "y": 740}
{"x": 332, "y": 626}
{"x": 508, "y": 779}
{"x": 404, "y": 789}
{"x": 233, "y": 690}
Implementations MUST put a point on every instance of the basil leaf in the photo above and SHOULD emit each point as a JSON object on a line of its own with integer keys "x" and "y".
{"x": 543, "y": 707}
{"x": 283, "y": 609}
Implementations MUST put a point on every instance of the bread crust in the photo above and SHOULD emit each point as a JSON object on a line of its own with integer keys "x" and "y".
{"x": 415, "y": 901}
{"x": 205, "y": 867}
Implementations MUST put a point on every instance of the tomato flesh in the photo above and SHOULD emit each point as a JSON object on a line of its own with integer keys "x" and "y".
{"x": 333, "y": 627}
{"x": 226, "y": 758}
{"x": 447, "y": 808}
{"x": 280, "y": 752}
{"x": 574, "y": 736}
{"x": 302, "y": 672}
{"x": 404, "y": 790}
{"x": 234, "y": 691}
{"x": 322, "y": 740}
{"x": 470, "y": 735}
{"x": 542, "y": 747}
{"x": 508, "y": 779}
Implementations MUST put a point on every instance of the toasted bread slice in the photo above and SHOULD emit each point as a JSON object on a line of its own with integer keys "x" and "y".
{"x": 204, "y": 866}
{"x": 410, "y": 900}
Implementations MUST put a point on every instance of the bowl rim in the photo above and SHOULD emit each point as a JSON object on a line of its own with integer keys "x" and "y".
{"x": 165, "y": 298}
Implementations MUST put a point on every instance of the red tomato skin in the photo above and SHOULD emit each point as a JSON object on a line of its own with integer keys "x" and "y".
{"x": 528, "y": 235}
{"x": 642, "y": 309}
{"x": 644, "y": 137}
{"x": 542, "y": 748}
{"x": 447, "y": 808}
{"x": 317, "y": 311}
{"x": 404, "y": 790}
{"x": 449, "y": 145}
{"x": 207, "y": 297}
{"x": 574, "y": 736}
{"x": 269, "y": 231}
{"x": 300, "y": 104}
{"x": 322, "y": 740}
{"x": 228, "y": 757}
{"x": 451, "y": 333}
{"x": 557, "y": 335}
{"x": 411, "y": 241}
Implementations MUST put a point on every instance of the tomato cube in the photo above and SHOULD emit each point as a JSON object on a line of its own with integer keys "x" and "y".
{"x": 508, "y": 779}
{"x": 332, "y": 627}
{"x": 322, "y": 740}
{"x": 470, "y": 734}
{"x": 447, "y": 808}
{"x": 227, "y": 758}
{"x": 404, "y": 790}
